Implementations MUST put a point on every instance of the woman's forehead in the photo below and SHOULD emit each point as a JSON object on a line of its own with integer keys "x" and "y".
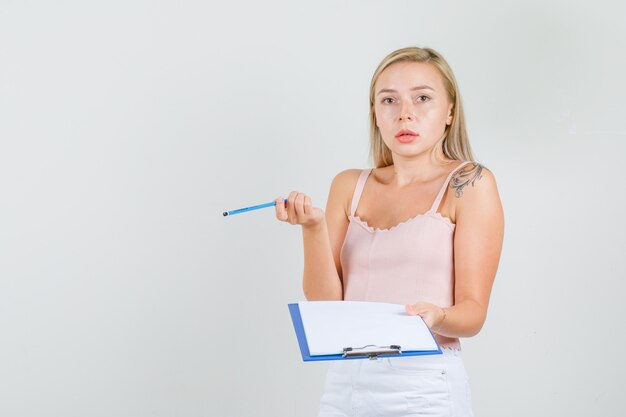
{"x": 407, "y": 75}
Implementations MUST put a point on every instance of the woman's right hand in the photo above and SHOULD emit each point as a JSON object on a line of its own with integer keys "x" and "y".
{"x": 299, "y": 210}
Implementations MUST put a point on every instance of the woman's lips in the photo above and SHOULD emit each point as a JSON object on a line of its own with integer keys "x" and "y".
{"x": 406, "y": 136}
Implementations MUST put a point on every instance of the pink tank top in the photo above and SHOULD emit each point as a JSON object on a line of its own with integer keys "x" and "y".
{"x": 410, "y": 262}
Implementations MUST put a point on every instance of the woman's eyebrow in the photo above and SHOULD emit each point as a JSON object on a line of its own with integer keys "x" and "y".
{"x": 419, "y": 87}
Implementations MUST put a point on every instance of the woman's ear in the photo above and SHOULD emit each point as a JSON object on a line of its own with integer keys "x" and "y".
{"x": 450, "y": 116}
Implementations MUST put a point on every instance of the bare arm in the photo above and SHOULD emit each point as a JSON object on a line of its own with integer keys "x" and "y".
{"x": 322, "y": 234}
{"x": 477, "y": 245}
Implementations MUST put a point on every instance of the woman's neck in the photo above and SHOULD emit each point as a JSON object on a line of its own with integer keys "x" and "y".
{"x": 418, "y": 169}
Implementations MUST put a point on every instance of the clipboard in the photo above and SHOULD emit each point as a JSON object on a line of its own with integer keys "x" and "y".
{"x": 363, "y": 351}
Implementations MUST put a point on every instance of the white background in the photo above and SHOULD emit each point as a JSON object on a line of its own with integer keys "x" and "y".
{"x": 127, "y": 127}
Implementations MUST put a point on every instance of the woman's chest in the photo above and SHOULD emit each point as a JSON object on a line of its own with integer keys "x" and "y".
{"x": 385, "y": 209}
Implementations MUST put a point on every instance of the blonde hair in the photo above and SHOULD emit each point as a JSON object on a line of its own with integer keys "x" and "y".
{"x": 455, "y": 142}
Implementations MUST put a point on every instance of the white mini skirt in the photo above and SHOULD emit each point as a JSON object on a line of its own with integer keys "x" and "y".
{"x": 431, "y": 385}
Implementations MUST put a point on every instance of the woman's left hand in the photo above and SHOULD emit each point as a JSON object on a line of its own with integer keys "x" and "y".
{"x": 431, "y": 314}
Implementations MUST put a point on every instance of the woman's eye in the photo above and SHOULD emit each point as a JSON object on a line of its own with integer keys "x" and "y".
{"x": 387, "y": 100}
{"x": 423, "y": 99}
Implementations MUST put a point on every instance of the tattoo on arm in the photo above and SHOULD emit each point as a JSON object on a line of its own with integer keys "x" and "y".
{"x": 467, "y": 175}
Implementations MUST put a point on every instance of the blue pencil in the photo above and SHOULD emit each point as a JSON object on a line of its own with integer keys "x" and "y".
{"x": 243, "y": 210}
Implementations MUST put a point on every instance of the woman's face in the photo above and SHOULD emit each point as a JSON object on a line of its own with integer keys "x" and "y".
{"x": 412, "y": 108}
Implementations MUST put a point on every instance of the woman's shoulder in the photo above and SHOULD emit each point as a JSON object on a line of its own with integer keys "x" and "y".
{"x": 474, "y": 185}
{"x": 342, "y": 189}
{"x": 471, "y": 175}
{"x": 347, "y": 178}
{"x": 344, "y": 183}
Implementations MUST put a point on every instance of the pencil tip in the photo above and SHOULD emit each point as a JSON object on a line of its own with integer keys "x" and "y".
{"x": 225, "y": 214}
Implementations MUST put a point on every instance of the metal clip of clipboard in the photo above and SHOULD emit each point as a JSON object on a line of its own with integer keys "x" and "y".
{"x": 371, "y": 351}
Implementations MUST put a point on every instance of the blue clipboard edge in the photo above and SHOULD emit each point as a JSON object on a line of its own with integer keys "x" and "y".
{"x": 296, "y": 319}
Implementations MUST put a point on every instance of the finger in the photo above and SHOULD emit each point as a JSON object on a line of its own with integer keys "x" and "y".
{"x": 291, "y": 213}
{"x": 416, "y": 308}
{"x": 281, "y": 213}
{"x": 308, "y": 205}
{"x": 299, "y": 205}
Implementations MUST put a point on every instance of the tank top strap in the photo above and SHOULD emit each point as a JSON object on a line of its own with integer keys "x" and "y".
{"x": 358, "y": 190}
{"x": 445, "y": 185}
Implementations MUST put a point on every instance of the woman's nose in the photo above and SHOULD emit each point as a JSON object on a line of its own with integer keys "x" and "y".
{"x": 406, "y": 114}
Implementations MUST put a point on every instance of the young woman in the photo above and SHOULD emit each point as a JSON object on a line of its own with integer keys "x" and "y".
{"x": 424, "y": 228}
